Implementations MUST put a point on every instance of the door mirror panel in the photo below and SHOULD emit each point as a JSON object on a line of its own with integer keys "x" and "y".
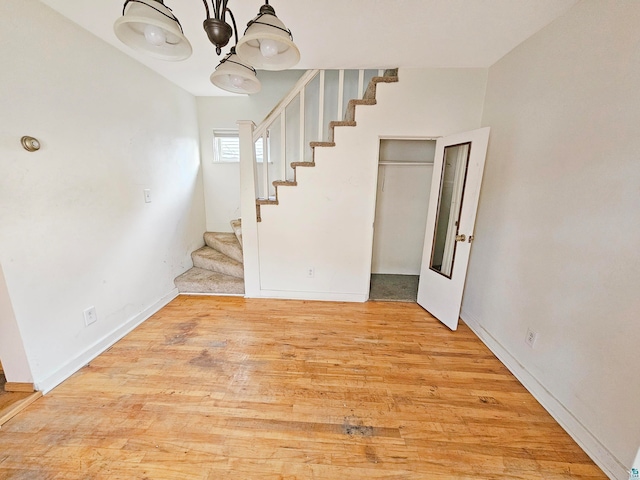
{"x": 454, "y": 173}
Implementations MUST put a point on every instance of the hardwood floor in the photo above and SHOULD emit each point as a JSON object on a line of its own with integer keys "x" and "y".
{"x": 12, "y": 402}
{"x": 228, "y": 388}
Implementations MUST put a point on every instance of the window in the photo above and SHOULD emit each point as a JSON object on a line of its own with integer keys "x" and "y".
{"x": 226, "y": 147}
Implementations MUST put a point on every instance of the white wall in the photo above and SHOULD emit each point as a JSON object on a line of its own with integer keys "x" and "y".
{"x": 75, "y": 229}
{"x": 326, "y": 222}
{"x": 402, "y": 201}
{"x": 557, "y": 232}
{"x": 12, "y": 353}
{"x": 222, "y": 180}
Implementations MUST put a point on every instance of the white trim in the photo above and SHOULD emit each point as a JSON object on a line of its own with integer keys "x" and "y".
{"x": 609, "y": 464}
{"x": 283, "y": 143}
{"x": 211, "y": 294}
{"x": 320, "y": 296}
{"x": 407, "y": 137}
{"x": 82, "y": 359}
{"x": 340, "y": 115}
{"x": 265, "y": 166}
{"x": 301, "y": 152}
{"x": 248, "y": 208}
{"x": 304, "y": 80}
{"x": 406, "y": 164}
{"x": 321, "y": 106}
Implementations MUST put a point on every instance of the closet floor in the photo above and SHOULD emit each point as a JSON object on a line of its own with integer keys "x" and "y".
{"x": 394, "y": 288}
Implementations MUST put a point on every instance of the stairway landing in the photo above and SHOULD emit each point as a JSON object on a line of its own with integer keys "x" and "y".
{"x": 217, "y": 266}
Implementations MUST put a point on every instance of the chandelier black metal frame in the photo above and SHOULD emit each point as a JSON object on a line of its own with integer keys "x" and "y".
{"x": 149, "y": 26}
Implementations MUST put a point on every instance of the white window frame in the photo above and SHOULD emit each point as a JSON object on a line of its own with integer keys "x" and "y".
{"x": 219, "y": 134}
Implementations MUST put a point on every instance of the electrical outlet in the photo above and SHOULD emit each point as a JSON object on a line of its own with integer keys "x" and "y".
{"x": 531, "y": 338}
{"x": 90, "y": 316}
{"x": 635, "y": 467}
{"x": 147, "y": 195}
{"x": 311, "y": 272}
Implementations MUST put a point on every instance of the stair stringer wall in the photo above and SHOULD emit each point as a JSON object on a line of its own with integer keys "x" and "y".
{"x": 326, "y": 222}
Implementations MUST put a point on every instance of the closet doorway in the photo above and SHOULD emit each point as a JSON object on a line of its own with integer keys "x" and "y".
{"x": 405, "y": 168}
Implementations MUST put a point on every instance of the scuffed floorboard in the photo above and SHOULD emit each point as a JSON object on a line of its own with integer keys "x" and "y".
{"x": 234, "y": 388}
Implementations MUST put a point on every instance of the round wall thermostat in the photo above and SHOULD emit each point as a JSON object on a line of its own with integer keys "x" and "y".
{"x": 30, "y": 144}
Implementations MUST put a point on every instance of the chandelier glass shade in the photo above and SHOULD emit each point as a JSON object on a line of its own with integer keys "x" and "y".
{"x": 234, "y": 76}
{"x": 149, "y": 26}
{"x": 267, "y": 44}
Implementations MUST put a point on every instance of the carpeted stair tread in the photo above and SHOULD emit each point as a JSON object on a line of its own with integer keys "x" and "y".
{"x": 285, "y": 183}
{"x": 342, "y": 123}
{"x": 198, "y": 280}
{"x": 236, "y": 225}
{"x": 267, "y": 201}
{"x": 226, "y": 243}
{"x": 370, "y": 92}
{"x": 322, "y": 144}
{"x": 350, "y": 115}
{"x": 209, "y": 259}
{"x": 338, "y": 123}
{"x": 369, "y": 98}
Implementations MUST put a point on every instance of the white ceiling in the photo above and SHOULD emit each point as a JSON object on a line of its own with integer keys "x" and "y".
{"x": 346, "y": 33}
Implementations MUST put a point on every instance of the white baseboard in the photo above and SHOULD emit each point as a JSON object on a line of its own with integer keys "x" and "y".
{"x": 320, "y": 296}
{"x": 75, "y": 364}
{"x": 200, "y": 294}
{"x": 609, "y": 464}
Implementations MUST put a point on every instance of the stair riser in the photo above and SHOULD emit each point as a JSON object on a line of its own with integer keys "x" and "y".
{"x": 230, "y": 249}
{"x": 194, "y": 287}
{"x": 226, "y": 269}
{"x": 369, "y": 99}
{"x": 236, "y": 226}
{"x": 198, "y": 287}
{"x": 196, "y": 280}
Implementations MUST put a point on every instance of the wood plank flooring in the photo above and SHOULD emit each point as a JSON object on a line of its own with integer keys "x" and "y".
{"x": 229, "y": 388}
{"x": 9, "y": 399}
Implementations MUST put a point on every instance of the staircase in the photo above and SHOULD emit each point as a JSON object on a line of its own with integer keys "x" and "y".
{"x": 349, "y": 120}
{"x": 217, "y": 267}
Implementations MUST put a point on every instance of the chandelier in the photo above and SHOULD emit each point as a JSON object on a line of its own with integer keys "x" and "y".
{"x": 149, "y": 26}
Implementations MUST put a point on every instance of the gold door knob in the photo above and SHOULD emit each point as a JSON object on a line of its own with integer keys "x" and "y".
{"x": 461, "y": 238}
